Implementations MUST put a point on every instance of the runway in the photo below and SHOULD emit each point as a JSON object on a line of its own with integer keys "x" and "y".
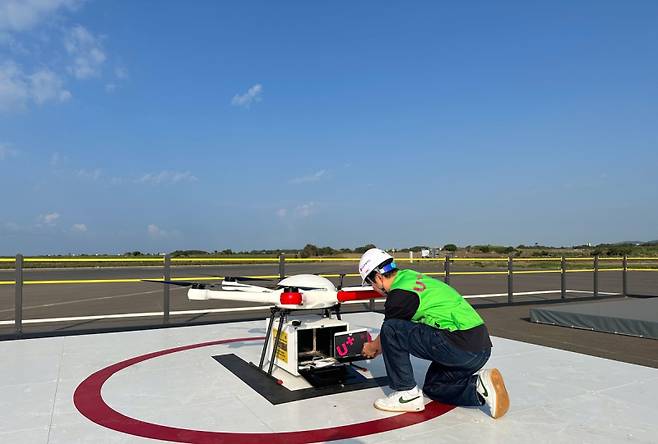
{"x": 103, "y": 305}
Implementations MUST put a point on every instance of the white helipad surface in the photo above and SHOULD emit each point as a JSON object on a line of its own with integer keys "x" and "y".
{"x": 556, "y": 396}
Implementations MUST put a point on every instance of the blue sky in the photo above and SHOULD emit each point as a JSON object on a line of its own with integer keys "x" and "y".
{"x": 162, "y": 125}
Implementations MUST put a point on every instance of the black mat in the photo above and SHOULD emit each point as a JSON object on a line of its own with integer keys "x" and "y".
{"x": 276, "y": 393}
{"x": 634, "y": 317}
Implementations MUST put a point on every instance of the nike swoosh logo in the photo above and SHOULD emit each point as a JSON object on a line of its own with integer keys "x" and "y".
{"x": 484, "y": 388}
{"x": 404, "y": 401}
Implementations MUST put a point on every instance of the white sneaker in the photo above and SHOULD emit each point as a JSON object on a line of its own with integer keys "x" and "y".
{"x": 405, "y": 401}
{"x": 491, "y": 387}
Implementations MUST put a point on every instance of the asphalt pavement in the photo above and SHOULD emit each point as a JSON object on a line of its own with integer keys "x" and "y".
{"x": 48, "y": 301}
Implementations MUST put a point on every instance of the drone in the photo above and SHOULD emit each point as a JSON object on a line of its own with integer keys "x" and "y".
{"x": 297, "y": 292}
{"x": 301, "y": 342}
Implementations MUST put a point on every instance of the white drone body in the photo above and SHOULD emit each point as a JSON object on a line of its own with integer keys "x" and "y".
{"x": 298, "y": 292}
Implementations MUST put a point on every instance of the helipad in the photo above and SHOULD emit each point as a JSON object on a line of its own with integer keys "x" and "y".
{"x": 165, "y": 385}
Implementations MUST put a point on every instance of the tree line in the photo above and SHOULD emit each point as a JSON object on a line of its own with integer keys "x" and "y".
{"x": 311, "y": 250}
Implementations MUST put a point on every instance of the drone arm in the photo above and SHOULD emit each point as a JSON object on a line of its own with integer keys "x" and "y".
{"x": 354, "y": 294}
{"x": 271, "y": 297}
{"x": 288, "y": 299}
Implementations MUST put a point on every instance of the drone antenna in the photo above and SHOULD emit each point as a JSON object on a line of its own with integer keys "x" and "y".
{"x": 340, "y": 282}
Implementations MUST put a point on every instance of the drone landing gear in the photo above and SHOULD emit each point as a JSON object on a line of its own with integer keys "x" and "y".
{"x": 282, "y": 313}
{"x": 335, "y": 308}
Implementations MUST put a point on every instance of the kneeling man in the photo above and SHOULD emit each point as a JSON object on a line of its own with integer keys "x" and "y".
{"x": 429, "y": 319}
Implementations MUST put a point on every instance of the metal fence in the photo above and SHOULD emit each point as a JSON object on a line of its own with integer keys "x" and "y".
{"x": 507, "y": 267}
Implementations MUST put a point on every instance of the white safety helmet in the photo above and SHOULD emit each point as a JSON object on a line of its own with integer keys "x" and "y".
{"x": 372, "y": 260}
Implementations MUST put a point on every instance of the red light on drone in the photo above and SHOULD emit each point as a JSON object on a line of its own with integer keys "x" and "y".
{"x": 291, "y": 298}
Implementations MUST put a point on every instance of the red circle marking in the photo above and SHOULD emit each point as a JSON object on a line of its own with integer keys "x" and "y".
{"x": 89, "y": 401}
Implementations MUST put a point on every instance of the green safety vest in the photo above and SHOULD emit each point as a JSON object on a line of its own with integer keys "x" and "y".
{"x": 441, "y": 306}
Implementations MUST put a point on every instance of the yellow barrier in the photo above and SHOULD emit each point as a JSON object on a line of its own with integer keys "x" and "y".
{"x": 224, "y": 259}
{"x": 478, "y": 259}
{"x": 536, "y": 271}
{"x": 314, "y": 259}
{"x": 82, "y": 281}
{"x": 467, "y": 273}
{"x": 420, "y": 259}
{"x": 216, "y": 278}
{"x": 591, "y": 259}
{"x": 85, "y": 259}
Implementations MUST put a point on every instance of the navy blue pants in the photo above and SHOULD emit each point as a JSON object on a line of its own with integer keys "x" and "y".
{"x": 450, "y": 377}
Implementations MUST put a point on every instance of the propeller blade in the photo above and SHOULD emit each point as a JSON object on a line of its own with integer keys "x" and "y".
{"x": 179, "y": 283}
{"x": 244, "y": 278}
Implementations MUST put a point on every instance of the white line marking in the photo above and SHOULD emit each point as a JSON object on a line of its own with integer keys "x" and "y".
{"x": 252, "y": 308}
{"x": 591, "y": 292}
{"x": 77, "y": 301}
{"x": 135, "y": 315}
{"x": 521, "y": 293}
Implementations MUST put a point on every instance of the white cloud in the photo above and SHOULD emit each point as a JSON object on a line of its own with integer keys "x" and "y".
{"x": 298, "y": 212}
{"x": 79, "y": 228}
{"x": 46, "y": 86}
{"x": 154, "y": 231}
{"x": 305, "y": 210}
{"x": 6, "y": 152}
{"x": 120, "y": 74}
{"x": 22, "y": 15}
{"x": 86, "y": 51}
{"x": 315, "y": 177}
{"x": 18, "y": 89}
{"x": 27, "y": 29}
{"x": 252, "y": 95}
{"x": 167, "y": 177}
{"x": 49, "y": 219}
{"x": 14, "y": 87}
{"x": 90, "y": 174}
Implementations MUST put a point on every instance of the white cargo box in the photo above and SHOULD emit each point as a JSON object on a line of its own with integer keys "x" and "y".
{"x": 304, "y": 338}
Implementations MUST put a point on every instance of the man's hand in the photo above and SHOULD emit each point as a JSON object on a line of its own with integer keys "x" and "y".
{"x": 371, "y": 349}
